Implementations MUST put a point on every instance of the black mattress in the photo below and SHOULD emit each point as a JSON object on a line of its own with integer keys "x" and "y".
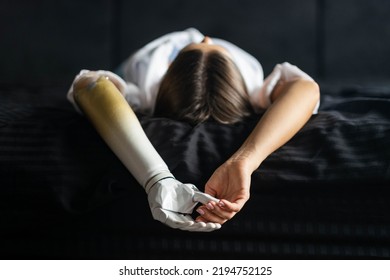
{"x": 325, "y": 194}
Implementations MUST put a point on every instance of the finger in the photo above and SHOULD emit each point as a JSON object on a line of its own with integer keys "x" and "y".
{"x": 235, "y": 206}
{"x": 211, "y": 211}
{"x": 201, "y": 219}
{"x": 183, "y": 222}
{"x": 204, "y": 198}
{"x": 202, "y": 227}
{"x": 197, "y": 226}
{"x": 209, "y": 216}
{"x": 212, "y": 226}
{"x": 216, "y": 209}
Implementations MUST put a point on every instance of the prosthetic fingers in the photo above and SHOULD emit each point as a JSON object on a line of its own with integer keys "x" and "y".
{"x": 170, "y": 201}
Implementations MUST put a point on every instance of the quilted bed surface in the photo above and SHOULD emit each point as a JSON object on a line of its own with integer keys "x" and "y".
{"x": 324, "y": 194}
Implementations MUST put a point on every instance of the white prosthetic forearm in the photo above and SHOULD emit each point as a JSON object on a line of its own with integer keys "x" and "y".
{"x": 170, "y": 200}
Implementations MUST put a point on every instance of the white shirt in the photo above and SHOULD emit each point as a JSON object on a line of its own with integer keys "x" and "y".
{"x": 143, "y": 71}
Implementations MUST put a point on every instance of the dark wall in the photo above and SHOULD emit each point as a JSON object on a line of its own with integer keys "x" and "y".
{"x": 47, "y": 42}
{"x": 357, "y": 39}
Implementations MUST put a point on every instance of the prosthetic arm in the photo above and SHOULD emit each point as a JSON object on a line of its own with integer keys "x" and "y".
{"x": 170, "y": 201}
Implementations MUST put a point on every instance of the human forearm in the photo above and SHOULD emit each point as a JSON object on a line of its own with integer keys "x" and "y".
{"x": 293, "y": 106}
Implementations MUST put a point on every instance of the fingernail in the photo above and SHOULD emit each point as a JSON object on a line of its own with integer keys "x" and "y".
{"x": 209, "y": 206}
{"x": 200, "y": 211}
{"x": 221, "y": 204}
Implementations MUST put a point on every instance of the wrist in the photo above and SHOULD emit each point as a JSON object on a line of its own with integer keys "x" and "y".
{"x": 156, "y": 178}
{"x": 246, "y": 160}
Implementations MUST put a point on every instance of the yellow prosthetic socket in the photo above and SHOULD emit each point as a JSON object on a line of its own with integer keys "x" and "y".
{"x": 118, "y": 125}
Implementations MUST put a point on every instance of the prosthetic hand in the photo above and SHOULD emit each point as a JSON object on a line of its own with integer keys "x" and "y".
{"x": 170, "y": 200}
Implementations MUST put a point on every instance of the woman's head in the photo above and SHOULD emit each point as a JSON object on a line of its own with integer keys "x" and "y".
{"x": 203, "y": 83}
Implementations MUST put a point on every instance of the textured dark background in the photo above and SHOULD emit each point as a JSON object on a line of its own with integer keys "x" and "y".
{"x": 58, "y": 200}
{"x": 46, "y": 42}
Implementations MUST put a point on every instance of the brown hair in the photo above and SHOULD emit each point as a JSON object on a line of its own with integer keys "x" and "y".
{"x": 201, "y": 85}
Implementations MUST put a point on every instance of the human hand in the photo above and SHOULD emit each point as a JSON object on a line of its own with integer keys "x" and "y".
{"x": 171, "y": 202}
{"x": 230, "y": 183}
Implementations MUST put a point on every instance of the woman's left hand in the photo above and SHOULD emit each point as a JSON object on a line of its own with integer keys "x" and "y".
{"x": 230, "y": 183}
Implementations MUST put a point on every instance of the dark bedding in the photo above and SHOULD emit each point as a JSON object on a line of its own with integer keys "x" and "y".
{"x": 324, "y": 194}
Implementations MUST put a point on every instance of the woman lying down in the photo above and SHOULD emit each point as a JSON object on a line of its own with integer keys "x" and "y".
{"x": 190, "y": 77}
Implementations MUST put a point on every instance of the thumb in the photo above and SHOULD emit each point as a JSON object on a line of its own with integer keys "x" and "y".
{"x": 203, "y": 197}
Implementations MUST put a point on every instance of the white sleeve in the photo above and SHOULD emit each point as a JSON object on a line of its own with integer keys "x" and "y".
{"x": 136, "y": 67}
{"x": 285, "y": 72}
{"x": 147, "y": 66}
{"x": 130, "y": 91}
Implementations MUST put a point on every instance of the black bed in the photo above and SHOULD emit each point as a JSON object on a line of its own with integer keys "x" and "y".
{"x": 325, "y": 194}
